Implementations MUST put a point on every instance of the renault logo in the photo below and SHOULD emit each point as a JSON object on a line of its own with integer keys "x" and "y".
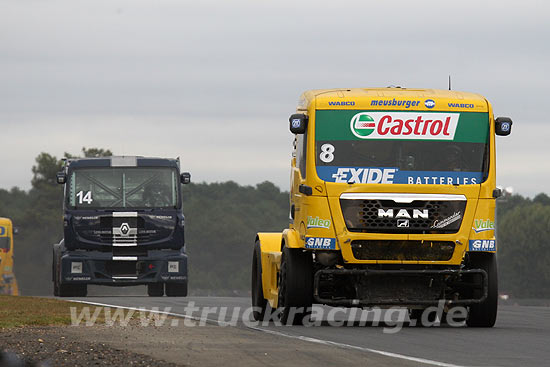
{"x": 124, "y": 229}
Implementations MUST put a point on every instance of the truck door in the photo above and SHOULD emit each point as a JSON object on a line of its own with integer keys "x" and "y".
{"x": 298, "y": 200}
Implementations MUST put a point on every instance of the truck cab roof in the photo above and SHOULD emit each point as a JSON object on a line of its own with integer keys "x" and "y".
{"x": 383, "y": 98}
{"x": 123, "y": 161}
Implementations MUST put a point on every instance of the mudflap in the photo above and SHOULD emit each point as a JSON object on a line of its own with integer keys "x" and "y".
{"x": 270, "y": 253}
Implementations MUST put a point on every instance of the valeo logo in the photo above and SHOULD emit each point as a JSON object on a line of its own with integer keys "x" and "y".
{"x": 482, "y": 225}
{"x": 317, "y": 223}
{"x": 362, "y": 125}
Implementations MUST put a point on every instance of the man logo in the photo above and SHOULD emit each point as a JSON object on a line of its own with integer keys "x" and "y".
{"x": 362, "y": 125}
{"x": 402, "y": 223}
{"x": 403, "y": 213}
{"x": 124, "y": 229}
{"x": 295, "y": 123}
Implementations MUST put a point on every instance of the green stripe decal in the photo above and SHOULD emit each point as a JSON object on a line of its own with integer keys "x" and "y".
{"x": 472, "y": 127}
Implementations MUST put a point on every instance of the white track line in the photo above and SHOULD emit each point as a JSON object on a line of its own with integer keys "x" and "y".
{"x": 349, "y": 346}
{"x": 298, "y": 337}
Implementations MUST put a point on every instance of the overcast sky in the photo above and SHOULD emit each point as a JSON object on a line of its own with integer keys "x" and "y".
{"x": 215, "y": 81}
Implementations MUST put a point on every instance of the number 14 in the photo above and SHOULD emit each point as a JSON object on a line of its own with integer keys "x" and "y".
{"x": 84, "y": 197}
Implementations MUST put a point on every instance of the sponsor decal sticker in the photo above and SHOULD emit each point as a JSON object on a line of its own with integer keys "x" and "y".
{"x": 471, "y": 127}
{"x": 429, "y": 103}
{"x": 445, "y": 222}
{"x": 392, "y": 175}
{"x": 460, "y": 105}
{"x": 173, "y": 266}
{"x": 177, "y": 277}
{"x": 483, "y": 245}
{"x": 483, "y": 225}
{"x": 364, "y": 175}
{"x": 317, "y": 223}
{"x": 2, "y": 231}
{"x": 321, "y": 243}
{"x": 404, "y": 125}
{"x": 76, "y": 267}
{"x": 362, "y": 125}
{"x": 341, "y": 103}
{"x": 395, "y": 103}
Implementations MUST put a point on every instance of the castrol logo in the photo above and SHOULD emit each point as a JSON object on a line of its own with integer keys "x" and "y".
{"x": 404, "y": 125}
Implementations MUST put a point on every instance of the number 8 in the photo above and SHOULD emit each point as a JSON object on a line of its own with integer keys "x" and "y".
{"x": 326, "y": 153}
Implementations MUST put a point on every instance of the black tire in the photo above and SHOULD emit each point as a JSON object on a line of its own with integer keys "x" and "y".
{"x": 295, "y": 286}
{"x": 54, "y": 276}
{"x": 416, "y": 315}
{"x": 484, "y": 314}
{"x": 72, "y": 290}
{"x": 66, "y": 290}
{"x": 155, "y": 289}
{"x": 55, "y": 289}
{"x": 258, "y": 300}
{"x": 176, "y": 289}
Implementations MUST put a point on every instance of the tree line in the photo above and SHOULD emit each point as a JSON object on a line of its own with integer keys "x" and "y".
{"x": 221, "y": 220}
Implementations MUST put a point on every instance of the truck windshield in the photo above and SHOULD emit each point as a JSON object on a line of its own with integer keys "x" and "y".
{"x": 4, "y": 244}
{"x": 413, "y": 147}
{"x": 139, "y": 187}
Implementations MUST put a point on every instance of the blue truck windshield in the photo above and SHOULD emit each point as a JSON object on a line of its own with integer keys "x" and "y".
{"x": 136, "y": 187}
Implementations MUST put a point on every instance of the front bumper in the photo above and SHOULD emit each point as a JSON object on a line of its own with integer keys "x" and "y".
{"x": 420, "y": 288}
{"x": 96, "y": 267}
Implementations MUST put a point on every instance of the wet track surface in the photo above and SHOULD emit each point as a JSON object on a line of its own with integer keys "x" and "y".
{"x": 520, "y": 337}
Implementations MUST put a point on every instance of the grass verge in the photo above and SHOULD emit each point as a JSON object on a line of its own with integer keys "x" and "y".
{"x": 17, "y": 311}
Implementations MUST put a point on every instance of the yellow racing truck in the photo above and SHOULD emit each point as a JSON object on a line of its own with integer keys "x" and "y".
{"x": 392, "y": 203}
{"x": 8, "y": 283}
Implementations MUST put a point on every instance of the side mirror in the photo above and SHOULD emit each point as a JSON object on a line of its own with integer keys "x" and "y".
{"x": 185, "y": 178}
{"x": 61, "y": 177}
{"x": 503, "y": 126}
{"x": 305, "y": 189}
{"x": 298, "y": 123}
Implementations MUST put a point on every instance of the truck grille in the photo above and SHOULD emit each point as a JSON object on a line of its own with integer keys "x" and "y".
{"x": 137, "y": 238}
{"x": 412, "y": 250}
{"x": 380, "y": 214}
{"x": 121, "y": 268}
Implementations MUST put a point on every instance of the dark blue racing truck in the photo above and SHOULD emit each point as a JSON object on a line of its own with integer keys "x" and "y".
{"x": 123, "y": 225}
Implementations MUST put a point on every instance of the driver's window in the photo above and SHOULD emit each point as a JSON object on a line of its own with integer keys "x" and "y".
{"x": 5, "y": 244}
{"x": 301, "y": 149}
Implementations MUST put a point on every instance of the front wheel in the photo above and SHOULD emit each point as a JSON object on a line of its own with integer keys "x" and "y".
{"x": 259, "y": 303}
{"x": 65, "y": 290}
{"x": 72, "y": 290}
{"x": 54, "y": 276}
{"x": 176, "y": 289}
{"x": 484, "y": 314}
{"x": 155, "y": 289}
{"x": 295, "y": 285}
